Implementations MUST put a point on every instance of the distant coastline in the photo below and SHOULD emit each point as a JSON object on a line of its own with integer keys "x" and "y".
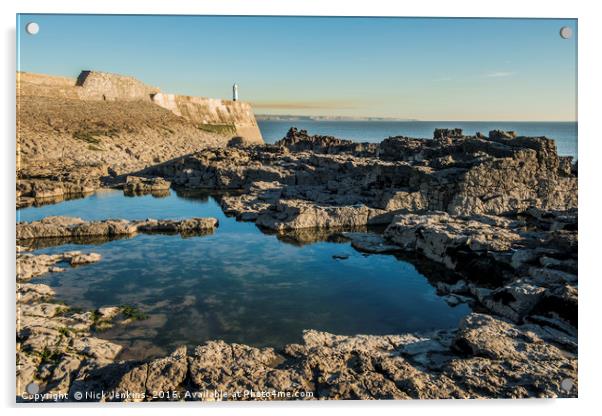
{"x": 290, "y": 117}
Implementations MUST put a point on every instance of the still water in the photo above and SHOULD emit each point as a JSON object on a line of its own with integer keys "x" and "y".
{"x": 238, "y": 284}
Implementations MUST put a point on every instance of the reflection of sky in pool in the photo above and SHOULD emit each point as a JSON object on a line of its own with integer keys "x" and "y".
{"x": 239, "y": 284}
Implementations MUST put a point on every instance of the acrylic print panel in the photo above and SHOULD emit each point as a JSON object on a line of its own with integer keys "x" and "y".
{"x": 295, "y": 208}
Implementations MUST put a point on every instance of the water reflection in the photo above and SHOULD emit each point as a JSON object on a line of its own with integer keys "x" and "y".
{"x": 240, "y": 284}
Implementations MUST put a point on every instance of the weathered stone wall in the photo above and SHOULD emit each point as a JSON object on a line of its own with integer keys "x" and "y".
{"x": 41, "y": 85}
{"x": 112, "y": 87}
{"x": 210, "y": 111}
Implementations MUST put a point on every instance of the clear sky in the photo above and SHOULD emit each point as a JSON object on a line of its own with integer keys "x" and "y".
{"x": 419, "y": 68}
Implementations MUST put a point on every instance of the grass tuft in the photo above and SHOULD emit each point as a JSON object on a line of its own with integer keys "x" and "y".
{"x": 221, "y": 129}
{"x": 133, "y": 313}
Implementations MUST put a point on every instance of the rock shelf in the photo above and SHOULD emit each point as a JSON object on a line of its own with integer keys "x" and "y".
{"x": 498, "y": 210}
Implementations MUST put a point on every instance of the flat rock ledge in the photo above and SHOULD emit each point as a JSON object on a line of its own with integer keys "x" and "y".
{"x": 54, "y": 342}
{"x": 30, "y": 265}
{"x": 485, "y": 358}
{"x": 72, "y": 227}
{"x": 136, "y": 185}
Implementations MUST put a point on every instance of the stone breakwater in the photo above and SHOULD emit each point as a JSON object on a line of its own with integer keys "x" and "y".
{"x": 499, "y": 211}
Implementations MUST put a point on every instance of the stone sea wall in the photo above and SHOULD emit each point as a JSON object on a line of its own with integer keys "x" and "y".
{"x": 224, "y": 117}
{"x": 111, "y": 87}
{"x": 222, "y": 114}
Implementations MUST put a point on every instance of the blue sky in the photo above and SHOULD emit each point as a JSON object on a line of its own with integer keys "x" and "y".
{"x": 428, "y": 69}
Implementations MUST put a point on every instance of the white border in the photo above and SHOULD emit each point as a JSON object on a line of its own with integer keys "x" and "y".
{"x": 590, "y": 139}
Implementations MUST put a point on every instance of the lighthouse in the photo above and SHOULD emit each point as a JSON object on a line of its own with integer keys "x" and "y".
{"x": 235, "y": 92}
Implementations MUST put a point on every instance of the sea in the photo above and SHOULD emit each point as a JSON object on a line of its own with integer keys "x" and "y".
{"x": 563, "y": 133}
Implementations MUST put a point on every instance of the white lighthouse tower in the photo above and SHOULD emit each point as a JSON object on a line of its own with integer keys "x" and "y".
{"x": 235, "y": 92}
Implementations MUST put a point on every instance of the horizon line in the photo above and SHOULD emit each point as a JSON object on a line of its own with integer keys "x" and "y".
{"x": 408, "y": 120}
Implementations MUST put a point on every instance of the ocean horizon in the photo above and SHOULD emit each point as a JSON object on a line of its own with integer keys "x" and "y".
{"x": 564, "y": 133}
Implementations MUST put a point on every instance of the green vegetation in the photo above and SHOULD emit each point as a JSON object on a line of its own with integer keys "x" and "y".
{"x": 95, "y": 315}
{"x": 221, "y": 129}
{"x": 92, "y": 135}
{"x": 101, "y": 326}
{"x": 133, "y": 313}
{"x": 49, "y": 356}
{"x": 62, "y": 311}
{"x": 64, "y": 331}
{"x": 98, "y": 323}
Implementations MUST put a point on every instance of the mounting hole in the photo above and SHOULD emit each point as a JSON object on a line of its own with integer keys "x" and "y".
{"x": 566, "y": 32}
{"x": 567, "y": 385}
{"x": 32, "y": 28}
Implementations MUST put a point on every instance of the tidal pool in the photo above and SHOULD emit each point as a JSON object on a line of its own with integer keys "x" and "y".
{"x": 238, "y": 284}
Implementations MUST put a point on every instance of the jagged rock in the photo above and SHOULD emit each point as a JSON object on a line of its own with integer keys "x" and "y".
{"x": 186, "y": 226}
{"x": 547, "y": 276}
{"x": 78, "y": 259}
{"x": 444, "y": 133}
{"x": 168, "y": 373}
{"x": 504, "y": 360}
{"x": 28, "y": 292}
{"x": 295, "y": 214}
{"x": 109, "y": 312}
{"x": 514, "y": 301}
{"x": 457, "y": 288}
{"x": 440, "y": 236}
{"x": 27, "y": 366}
{"x": 370, "y": 242}
{"x": 136, "y": 185}
{"x": 239, "y": 141}
{"x": 46, "y": 310}
{"x": 501, "y": 134}
{"x": 457, "y": 174}
{"x": 31, "y": 265}
{"x": 299, "y": 141}
{"x": 63, "y": 375}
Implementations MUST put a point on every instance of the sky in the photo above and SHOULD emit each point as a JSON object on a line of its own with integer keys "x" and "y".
{"x": 410, "y": 68}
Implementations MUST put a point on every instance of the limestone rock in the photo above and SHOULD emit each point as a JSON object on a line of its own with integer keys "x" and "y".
{"x": 67, "y": 227}
{"x": 295, "y": 214}
{"x": 79, "y": 258}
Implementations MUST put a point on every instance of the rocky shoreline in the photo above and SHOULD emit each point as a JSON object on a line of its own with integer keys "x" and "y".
{"x": 500, "y": 211}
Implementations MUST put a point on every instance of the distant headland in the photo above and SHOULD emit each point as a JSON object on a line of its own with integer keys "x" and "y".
{"x": 291, "y": 117}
